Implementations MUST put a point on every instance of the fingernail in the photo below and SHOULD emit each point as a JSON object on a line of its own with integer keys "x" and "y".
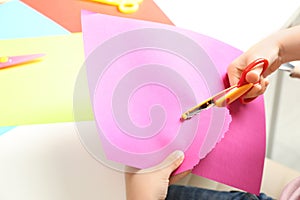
{"x": 178, "y": 154}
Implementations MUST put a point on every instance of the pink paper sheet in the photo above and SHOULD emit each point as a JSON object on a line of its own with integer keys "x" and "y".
{"x": 159, "y": 86}
{"x": 159, "y": 82}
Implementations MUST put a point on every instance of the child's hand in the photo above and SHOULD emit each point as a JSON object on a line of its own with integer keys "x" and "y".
{"x": 152, "y": 184}
{"x": 281, "y": 47}
{"x": 267, "y": 49}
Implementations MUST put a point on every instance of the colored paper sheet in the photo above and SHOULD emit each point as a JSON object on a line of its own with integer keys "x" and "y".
{"x": 18, "y": 20}
{"x": 26, "y": 23}
{"x": 134, "y": 78}
{"x": 67, "y": 12}
{"x": 41, "y": 91}
{"x": 243, "y": 146}
{"x": 5, "y": 129}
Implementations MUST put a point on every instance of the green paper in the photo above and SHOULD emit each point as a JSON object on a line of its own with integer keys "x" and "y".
{"x": 42, "y": 91}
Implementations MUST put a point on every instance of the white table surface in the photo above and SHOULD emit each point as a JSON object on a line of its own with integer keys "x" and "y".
{"x": 49, "y": 162}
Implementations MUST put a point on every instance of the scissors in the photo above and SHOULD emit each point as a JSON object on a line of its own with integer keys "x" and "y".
{"x": 124, "y": 6}
{"x": 9, "y": 61}
{"x": 230, "y": 94}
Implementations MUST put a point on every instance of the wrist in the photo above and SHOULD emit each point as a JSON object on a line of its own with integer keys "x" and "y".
{"x": 289, "y": 44}
{"x": 281, "y": 35}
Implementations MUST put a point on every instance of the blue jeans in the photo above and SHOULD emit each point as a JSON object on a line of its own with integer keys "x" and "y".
{"x": 176, "y": 192}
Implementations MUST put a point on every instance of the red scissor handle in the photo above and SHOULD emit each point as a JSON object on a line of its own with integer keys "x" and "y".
{"x": 243, "y": 81}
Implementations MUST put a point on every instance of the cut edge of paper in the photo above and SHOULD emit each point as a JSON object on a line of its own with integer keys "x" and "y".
{"x": 192, "y": 160}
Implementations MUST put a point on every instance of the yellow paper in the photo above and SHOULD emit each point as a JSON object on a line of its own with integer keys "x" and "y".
{"x": 42, "y": 91}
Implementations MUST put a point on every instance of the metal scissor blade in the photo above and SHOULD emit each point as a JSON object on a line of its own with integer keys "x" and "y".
{"x": 221, "y": 99}
{"x": 9, "y": 61}
{"x": 208, "y": 103}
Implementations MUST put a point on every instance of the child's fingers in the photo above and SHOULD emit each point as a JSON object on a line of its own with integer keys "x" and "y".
{"x": 170, "y": 163}
{"x": 254, "y": 75}
{"x": 177, "y": 177}
{"x": 173, "y": 161}
{"x": 234, "y": 73}
{"x": 258, "y": 89}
